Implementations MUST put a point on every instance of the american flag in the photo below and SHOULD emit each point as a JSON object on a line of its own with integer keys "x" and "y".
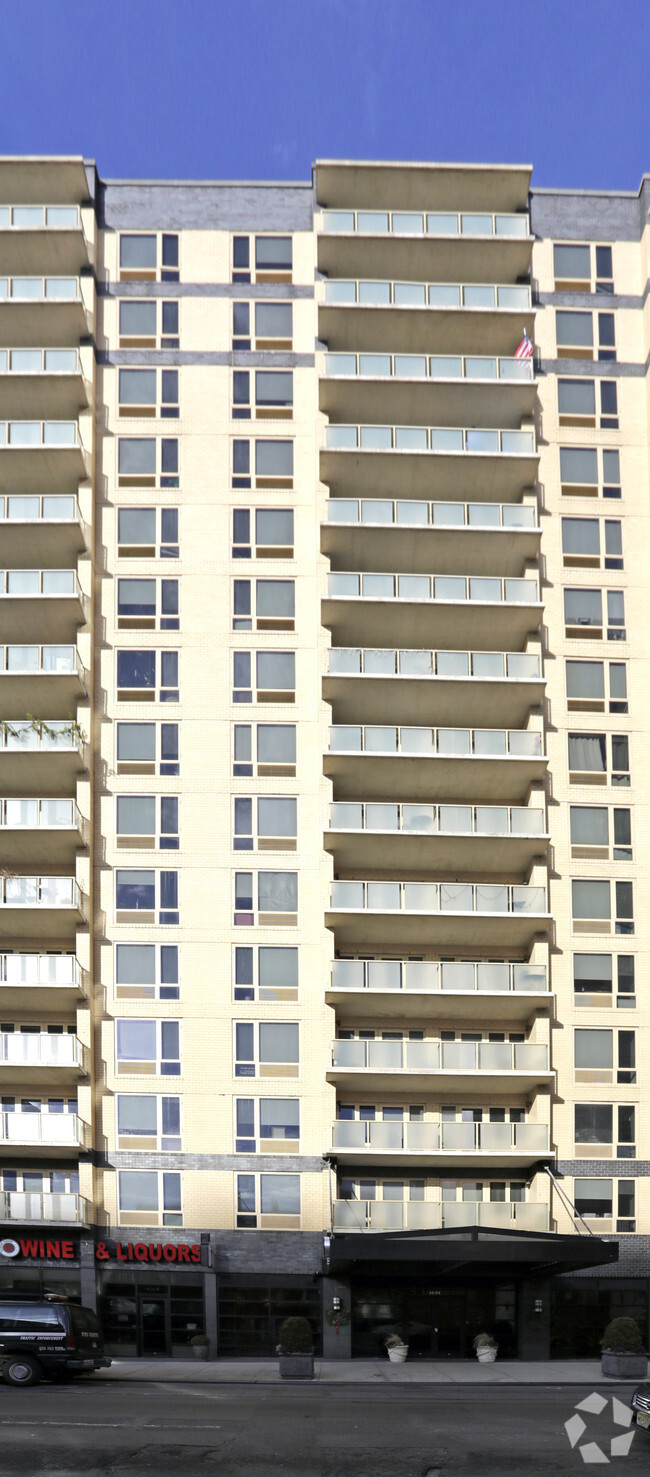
{"x": 525, "y": 350}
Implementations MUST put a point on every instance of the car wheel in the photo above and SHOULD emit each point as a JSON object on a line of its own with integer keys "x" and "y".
{"x": 20, "y": 1370}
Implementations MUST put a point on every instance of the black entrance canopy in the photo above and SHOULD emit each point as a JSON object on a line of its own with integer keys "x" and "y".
{"x": 473, "y": 1251}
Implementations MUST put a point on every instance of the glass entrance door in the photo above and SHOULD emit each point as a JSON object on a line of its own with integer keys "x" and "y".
{"x": 153, "y": 1318}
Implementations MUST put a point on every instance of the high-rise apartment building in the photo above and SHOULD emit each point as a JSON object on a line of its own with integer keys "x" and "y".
{"x": 324, "y": 772}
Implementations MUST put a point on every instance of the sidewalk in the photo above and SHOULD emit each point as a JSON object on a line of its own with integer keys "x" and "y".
{"x": 364, "y": 1372}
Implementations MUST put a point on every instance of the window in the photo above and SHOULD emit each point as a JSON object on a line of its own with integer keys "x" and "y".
{"x": 606, "y": 336}
{"x": 625, "y": 1199}
{"x": 147, "y": 748}
{"x": 148, "y": 392}
{"x": 268, "y": 1124}
{"x": 136, "y": 821}
{"x": 604, "y": 269}
{"x": 146, "y": 972}
{"x": 585, "y": 685}
{"x": 574, "y": 335}
{"x": 273, "y": 258}
{"x": 272, "y": 460}
{"x": 583, "y": 613}
{"x": 588, "y": 759}
{"x": 147, "y": 533}
{"x": 572, "y": 268}
{"x": 608, "y": 404}
{"x": 149, "y": 258}
{"x": 581, "y": 543}
{"x": 273, "y": 394}
{"x": 148, "y": 1048}
{"x": 141, "y": 606}
{"x": 265, "y": 973}
{"x": 275, "y": 605}
{"x": 136, "y": 676}
{"x": 146, "y": 461}
{"x": 146, "y": 1121}
{"x": 593, "y": 1123}
{"x": 150, "y": 1197}
{"x": 576, "y": 402}
{"x": 272, "y": 529}
{"x": 272, "y": 744}
{"x": 579, "y": 472}
{"x": 589, "y": 830}
{"x": 267, "y": 1201}
{"x": 269, "y": 1049}
{"x": 626, "y": 1137}
{"x": 272, "y": 325}
{"x": 275, "y": 676}
{"x": 277, "y": 898}
{"x": 594, "y": 1056}
{"x": 593, "y": 1197}
{"x": 138, "y": 892}
{"x": 276, "y": 823}
{"x": 140, "y": 324}
{"x": 592, "y": 903}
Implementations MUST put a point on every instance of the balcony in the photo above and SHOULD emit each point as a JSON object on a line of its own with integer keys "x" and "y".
{"x": 469, "y": 1146}
{"x": 29, "y": 1207}
{"x": 414, "y": 243}
{"x": 46, "y": 530}
{"x": 42, "y": 1060}
{"x": 33, "y": 601}
{"x": 382, "y": 186}
{"x": 421, "y": 1215}
{"x": 40, "y": 907}
{"x": 434, "y": 763}
{"x": 451, "y": 839}
{"x": 410, "y": 537}
{"x": 487, "y": 463}
{"x": 424, "y": 317}
{"x": 36, "y": 236}
{"x": 45, "y": 456}
{"x": 48, "y": 382}
{"x": 458, "y": 1066}
{"x": 496, "y": 686}
{"x": 437, "y": 915}
{"x": 45, "y": 311}
{"x": 416, "y": 389}
{"x": 435, "y": 609}
{"x": 40, "y": 758}
{"x": 40, "y": 982}
{"x": 453, "y": 990}
{"x": 60, "y": 1134}
{"x": 41, "y": 832}
{"x": 46, "y": 681}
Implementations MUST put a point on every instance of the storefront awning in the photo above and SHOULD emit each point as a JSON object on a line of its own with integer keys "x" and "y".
{"x": 473, "y": 1251}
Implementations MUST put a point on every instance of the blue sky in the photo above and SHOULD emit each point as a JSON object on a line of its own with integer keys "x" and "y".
{"x": 256, "y": 89}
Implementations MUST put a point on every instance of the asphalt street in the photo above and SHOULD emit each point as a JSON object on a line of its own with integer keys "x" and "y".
{"x": 93, "y": 1429}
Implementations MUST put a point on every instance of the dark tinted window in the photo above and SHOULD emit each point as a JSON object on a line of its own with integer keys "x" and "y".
{"x": 30, "y": 1318}
{"x": 83, "y": 1321}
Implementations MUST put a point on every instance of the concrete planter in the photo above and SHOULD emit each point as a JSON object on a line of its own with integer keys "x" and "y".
{"x": 200, "y": 1351}
{"x": 296, "y": 1366}
{"x": 624, "y": 1366}
{"x": 398, "y": 1354}
{"x": 486, "y": 1356}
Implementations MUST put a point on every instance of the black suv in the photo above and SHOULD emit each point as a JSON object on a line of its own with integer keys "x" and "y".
{"x": 49, "y": 1337}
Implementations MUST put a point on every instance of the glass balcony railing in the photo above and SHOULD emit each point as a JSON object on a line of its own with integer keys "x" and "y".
{"x": 460, "y": 743}
{"x": 514, "y": 666}
{"x": 402, "y": 513}
{"x": 440, "y": 1056}
{"x": 457, "y": 975}
{"x": 39, "y": 433}
{"x": 442, "y": 1138}
{"x": 45, "y": 971}
{"x": 382, "y": 294}
{"x": 23, "y": 735}
{"x": 39, "y": 582}
{"x": 443, "y": 439}
{"x": 32, "y": 1205}
{"x": 39, "y": 289}
{"x": 424, "y": 223}
{"x": 39, "y": 892}
{"x": 16, "y": 815}
{"x": 429, "y": 820}
{"x": 401, "y": 1215}
{"x": 444, "y": 588}
{"x": 438, "y": 897}
{"x": 39, "y": 361}
{"x": 39, "y": 660}
{"x": 32, "y": 509}
{"x": 428, "y": 366}
{"x": 18, "y": 1049}
{"x": 36, "y": 217}
{"x": 65, "y": 1129}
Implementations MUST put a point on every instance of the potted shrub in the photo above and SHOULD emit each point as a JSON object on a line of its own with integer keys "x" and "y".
{"x": 200, "y": 1344}
{"x": 623, "y": 1356}
{"x": 486, "y": 1348}
{"x": 396, "y": 1349}
{"x": 296, "y": 1350}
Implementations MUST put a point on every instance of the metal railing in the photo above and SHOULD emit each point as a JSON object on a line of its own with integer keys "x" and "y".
{"x": 32, "y": 661}
{"x": 457, "y": 743}
{"x": 428, "y": 366}
{"x": 46, "y": 814}
{"x": 51, "y": 971}
{"x": 40, "y": 892}
{"x": 403, "y": 513}
{"x": 482, "y": 589}
{"x": 26, "y": 434}
{"x": 33, "y": 1205}
{"x": 440, "y": 1056}
{"x": 442, "y": 1138}
{"x": 39, "y": 361}
{"x": 443, "y": 439}
{"x": 438, "y": 897}
{"x": 461, "y": 976}
{"x": 401, "y": 1215}
{"x": 426, "y": 223}
{"x": 373, "y": 293}
{"x": 35, "y": 582}
{"x": 27, "y": 1049}
{"x": 39, "y": 289}
{"x": 405, "y": 662}
{"x": 35, "y": 217}
{"x": 410, "y": 818}
{"x": 57, "y": 736}
{"x": 33, "y": 509}
{"x": 42, "y": 1128}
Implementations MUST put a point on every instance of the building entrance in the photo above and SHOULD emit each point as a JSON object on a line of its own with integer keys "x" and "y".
{"x": 152, "y": 1318}
{"x": 437, "y": 1322}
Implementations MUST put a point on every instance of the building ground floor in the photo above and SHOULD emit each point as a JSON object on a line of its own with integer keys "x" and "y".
{"x": 540, "y": 1297}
